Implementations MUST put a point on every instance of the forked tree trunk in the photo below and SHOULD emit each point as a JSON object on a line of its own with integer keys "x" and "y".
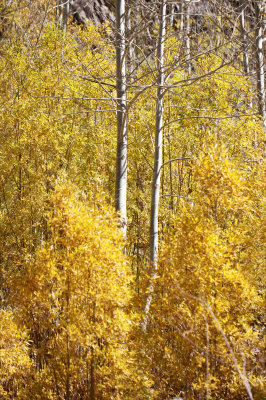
{"x": 121, "y": 159}
{"x": 157, "y": 159}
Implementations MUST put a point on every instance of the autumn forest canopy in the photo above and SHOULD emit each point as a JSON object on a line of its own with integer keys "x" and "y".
{"x": 132, "y": 239}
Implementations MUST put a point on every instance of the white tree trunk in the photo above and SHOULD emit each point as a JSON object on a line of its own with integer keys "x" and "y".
{"x": 158, "y": 140}
{"x": 171, "y": 14}
{"x": 244, "y": 38}
{"x": 157, "y": 159}
{"x": 187, "y": 39}
{"x": 259, "y": 10}
{"x": 121, "y": 159}
{"x": 181, "y": 18}
{"x": 129, "y": 43}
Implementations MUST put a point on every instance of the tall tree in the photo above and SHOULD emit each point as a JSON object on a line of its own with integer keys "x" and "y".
{"x": 121, "y": 160}
{"x": 187, "y": 38}
{"x": 259, "y": 15}
{"x": 158, "y": 140}
{"x": 157, "y": 156}
{"x": 244, "y": 37}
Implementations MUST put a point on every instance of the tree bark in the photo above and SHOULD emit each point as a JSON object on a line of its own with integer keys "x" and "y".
{"x": 259, "y": 11}
{"x": 244, "y": 38}
{"x": 121, "y": 160}
{"x": 181, "y": 18}
{"x": 171, "y": 14}
{"x": 158, "y": 141}
{"x": 157, "y": 159}
{"x": 129, "y": 44}
{"x": 187, "y": 39}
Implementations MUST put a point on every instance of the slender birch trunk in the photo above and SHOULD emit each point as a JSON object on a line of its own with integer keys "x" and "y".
{"x": 129, "y": 44}
{"x": 244, "y": 38}
{"x": 121, "y": 159}
{"x": 259, "y": 12}
{"x": 181, "y": 18}
{"x": 187, "y": 39}
{"x": 158, "y": 141}
{"x": 171, "y": 14}
{"x": 157, "y": 159}
{"x": 171, "y": 176}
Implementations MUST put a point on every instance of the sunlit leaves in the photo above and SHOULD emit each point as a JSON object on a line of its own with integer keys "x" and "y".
{"x": 15, "y": 363}
{"x": 74, "y": 297}
{"x": 206, "y": 263}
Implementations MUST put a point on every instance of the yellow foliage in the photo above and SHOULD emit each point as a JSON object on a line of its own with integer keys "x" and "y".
{"x": 74, "y": 297}
{"x": 15, "y": 363}
{"x": 63, "y": 272}
{"x": 206, "y": 264}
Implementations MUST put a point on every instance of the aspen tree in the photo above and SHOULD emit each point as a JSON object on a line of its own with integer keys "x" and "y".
{"x": 157, "y": 157}
{"x": 181, "y": 17}
{"x": 187, "y": 38}
{"x": 171, "y": 14}
{"x": 244, "y": 37}
{"x": 259, "y": 15}
{"x": 121, "y": 160}
{"x": 158, "y": 140}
